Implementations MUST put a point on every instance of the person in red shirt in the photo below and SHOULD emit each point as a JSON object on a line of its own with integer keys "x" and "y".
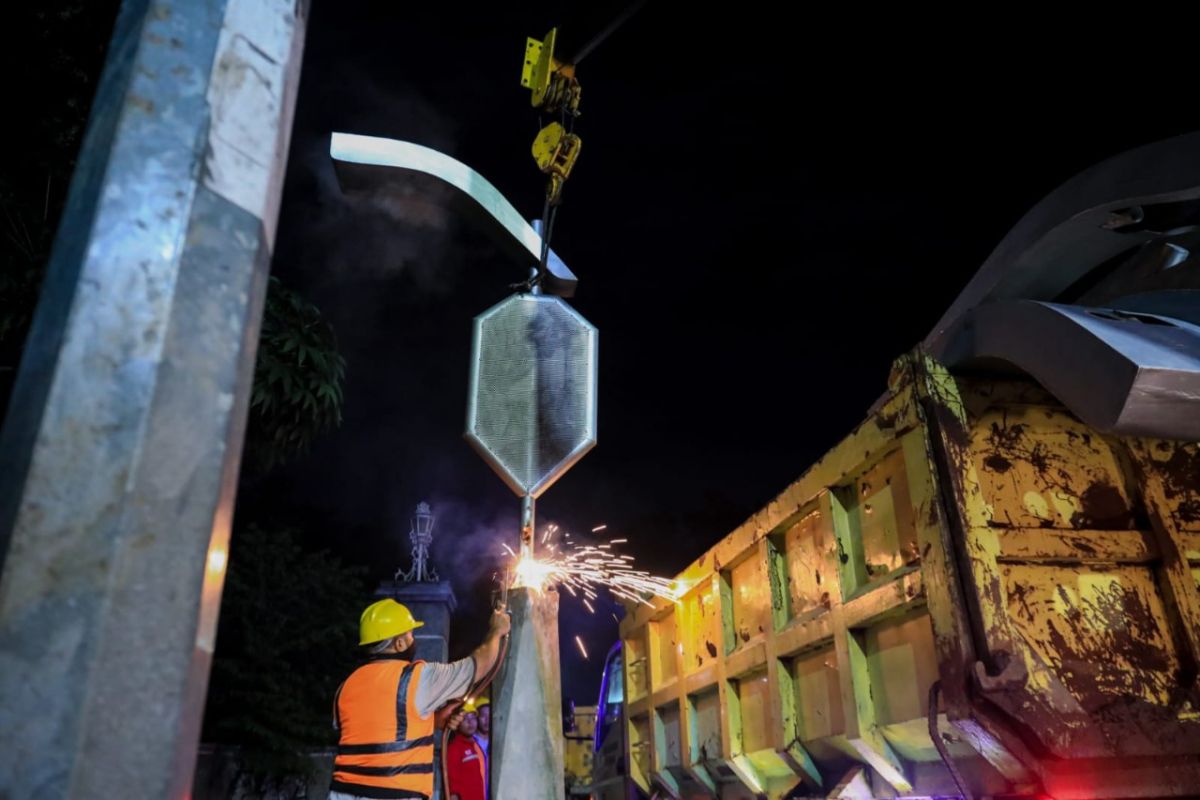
{"x": 483, "y": 709}
{"x": 466, "y": 762}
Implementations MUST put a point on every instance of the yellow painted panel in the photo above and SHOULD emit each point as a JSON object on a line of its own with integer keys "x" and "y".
{"x": 818, "y": 695}
{"x": 667, "y": 735}
{"x": 1040, "y": 467}
{"x": 635, "y": 666}
{"x": 881, "y": 516}
{"x": 902, "y": 664}
{"x": 700, "y": 637}
{"x": 664, "y": 645}
{"x": 1178, "y": 463}
{"x": 1102, "y": 630}
{"x": 810, "y": 551}
{"x": 753, "y": 698}
{"x": 706, "y": 726}
{"x": 751, "y": 599}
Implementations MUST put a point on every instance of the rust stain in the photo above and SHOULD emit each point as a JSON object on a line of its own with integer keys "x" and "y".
{"x": 1084, "y": 545}
{"x": 1104, "y": 508}
{"x": 1181, "y": 479}
{"x": 145, "y": 104}
{"x": 997, "y": 463}
{"x": 953, "y": 427}
{"x": 1041, "y": 460}
{"x": 1006, "y": 437}
{"x": 1100, "y": 632}
{"x": 1047, "y": 474}
{"x": 887, "y": 422}
{"x": 1019, "y": 593}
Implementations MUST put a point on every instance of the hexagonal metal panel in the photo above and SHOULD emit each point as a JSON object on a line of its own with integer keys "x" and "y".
{"x": 531, "y": 410}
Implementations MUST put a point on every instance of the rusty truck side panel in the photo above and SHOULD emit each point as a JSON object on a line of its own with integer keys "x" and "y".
{"x": 972, "y": 534}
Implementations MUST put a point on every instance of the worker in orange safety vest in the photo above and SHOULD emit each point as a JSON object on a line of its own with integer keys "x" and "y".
{"x": 384, "y": 711}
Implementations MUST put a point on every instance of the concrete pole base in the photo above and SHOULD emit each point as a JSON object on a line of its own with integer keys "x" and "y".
{"x": 527, "y": 737}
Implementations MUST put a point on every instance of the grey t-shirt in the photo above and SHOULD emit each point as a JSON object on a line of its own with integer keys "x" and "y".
{"x": 442, "y": 682}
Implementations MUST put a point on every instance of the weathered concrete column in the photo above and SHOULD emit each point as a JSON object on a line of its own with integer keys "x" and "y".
{"x": 119, "y": 456}
{"x": 527, "y": 740}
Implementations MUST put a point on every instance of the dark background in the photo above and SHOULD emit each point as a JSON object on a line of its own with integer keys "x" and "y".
{"x": 764, "y": 214}
{"x": 769, "y": 207}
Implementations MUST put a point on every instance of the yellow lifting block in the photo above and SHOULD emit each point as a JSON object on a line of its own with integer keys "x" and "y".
{"x": 555, "y": 152}
{"x": 535, "y": 72}
{"x": 551, "y": 82}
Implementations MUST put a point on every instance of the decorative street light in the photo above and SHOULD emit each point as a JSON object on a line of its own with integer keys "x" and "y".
{"x": 421, "y": 535}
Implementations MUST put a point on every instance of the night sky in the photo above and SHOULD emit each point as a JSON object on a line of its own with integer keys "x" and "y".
{"x": 764, "y": 214}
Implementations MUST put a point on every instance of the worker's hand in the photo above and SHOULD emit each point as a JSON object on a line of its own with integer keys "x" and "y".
{"x": 501, "y": 624}
{"x": 443, "y": 719}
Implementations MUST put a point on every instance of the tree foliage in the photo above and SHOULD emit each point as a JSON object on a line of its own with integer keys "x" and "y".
{"x": 63, "y": 44}
{"x": 298, "y": 377}
{"x": 297, "y": 393}
{"x": 287, "y": 637}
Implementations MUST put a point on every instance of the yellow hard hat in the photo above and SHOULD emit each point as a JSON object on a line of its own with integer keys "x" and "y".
{"x": 470, "y": 706}
{"x": 383, "y": 620}
{"x": 480, "y": 702}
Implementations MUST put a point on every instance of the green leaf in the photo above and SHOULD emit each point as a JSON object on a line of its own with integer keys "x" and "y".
{"x": 297, "y": 393}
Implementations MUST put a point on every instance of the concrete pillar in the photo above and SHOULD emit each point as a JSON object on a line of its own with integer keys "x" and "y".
{"x": 527, "y": 736}
{"x": 431, "y": 603}
{"x": 120, "y": 452}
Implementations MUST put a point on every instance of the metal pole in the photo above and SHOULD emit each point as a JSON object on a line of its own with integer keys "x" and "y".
{"x": 528, "y": 518}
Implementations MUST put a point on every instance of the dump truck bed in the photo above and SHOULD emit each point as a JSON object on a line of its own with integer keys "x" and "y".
{"x": 973, "y": 561}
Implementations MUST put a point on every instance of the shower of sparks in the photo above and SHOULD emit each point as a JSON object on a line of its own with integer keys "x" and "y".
{"x": 599, "y": 528}
{"x": 536, "y": 573}
{"x": 579, "y": 642}
{"x": 589, "y": 607}
{"x": 582, "y": 569}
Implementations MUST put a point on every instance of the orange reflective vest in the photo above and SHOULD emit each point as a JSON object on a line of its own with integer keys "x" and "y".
{"x": 386, "y": 746}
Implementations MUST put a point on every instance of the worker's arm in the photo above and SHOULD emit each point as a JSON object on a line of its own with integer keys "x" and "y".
{"x": 440, "y": 683}
{"x": 486, "y": 654}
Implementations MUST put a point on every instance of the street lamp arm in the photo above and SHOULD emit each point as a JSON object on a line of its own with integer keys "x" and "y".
{"x": 366, "y": 162}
